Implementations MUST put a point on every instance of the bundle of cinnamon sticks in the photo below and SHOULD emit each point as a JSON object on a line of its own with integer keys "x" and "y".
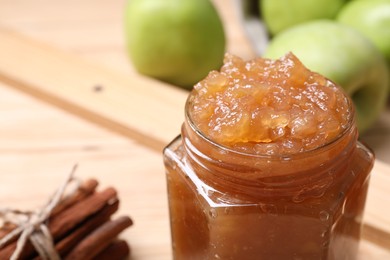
{"x": 81, "y": 226}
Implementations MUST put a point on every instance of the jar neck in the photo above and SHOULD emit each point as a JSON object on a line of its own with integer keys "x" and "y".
{"x": 302, "y": 175}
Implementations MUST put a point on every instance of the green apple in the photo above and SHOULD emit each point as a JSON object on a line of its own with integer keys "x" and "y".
{"x": 343, "y": 55}
{"x": 282, "y": 14}
{"x": 372, "y": 18}
{"x": 177, "y": 41}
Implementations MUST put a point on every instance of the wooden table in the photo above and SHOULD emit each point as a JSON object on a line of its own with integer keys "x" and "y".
{"x": 69, "y": 95}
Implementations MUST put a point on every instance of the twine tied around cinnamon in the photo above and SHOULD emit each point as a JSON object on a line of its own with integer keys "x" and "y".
{"x": 31, "y": 225}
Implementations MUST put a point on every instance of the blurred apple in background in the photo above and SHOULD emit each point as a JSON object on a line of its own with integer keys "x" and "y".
{"x": 282, "y": 14}
{"x": 372, "y": 19}
{"x": 343, "y": 55}
{"x": 177, "y": 41}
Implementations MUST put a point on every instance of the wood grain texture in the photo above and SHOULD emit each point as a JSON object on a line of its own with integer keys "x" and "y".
{"x": 39, "y": 144}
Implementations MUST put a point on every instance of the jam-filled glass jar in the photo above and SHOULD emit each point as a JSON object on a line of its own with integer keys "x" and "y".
{"x": 228, "y": 203}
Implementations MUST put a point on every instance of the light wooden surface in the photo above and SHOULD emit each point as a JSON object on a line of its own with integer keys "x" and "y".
{"x": 53, "y": 55}
{"x": 37, "y": 152}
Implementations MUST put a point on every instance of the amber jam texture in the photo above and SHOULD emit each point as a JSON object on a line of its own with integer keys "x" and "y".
{"x": 291, "y": 186}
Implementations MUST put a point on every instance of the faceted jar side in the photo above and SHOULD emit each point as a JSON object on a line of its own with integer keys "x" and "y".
{"x": 189, "y": 223}
{"x": 210, "y": 223}
{"x": 346, "y": 229}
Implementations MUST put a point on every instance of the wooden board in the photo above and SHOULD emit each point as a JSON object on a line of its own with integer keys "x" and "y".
{"x": 132, "y": 106}
{"x": 53, "y": 116}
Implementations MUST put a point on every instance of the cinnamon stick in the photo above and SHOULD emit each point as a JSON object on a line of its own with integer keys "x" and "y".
{"x": 64, "y": 246}
{"x": 117, "y": 250}
{"x": 6, "y": 228}
{"x": 86, "y": 189}
{"x": 61, "y": 224}
{"x": 99, "y": 239}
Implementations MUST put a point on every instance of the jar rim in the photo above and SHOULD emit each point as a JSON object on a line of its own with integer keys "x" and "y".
{"x": 286, "y": 156}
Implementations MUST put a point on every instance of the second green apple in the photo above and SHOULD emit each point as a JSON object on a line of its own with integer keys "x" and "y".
{"x": 279, "y": 15}
{"x": 372, "y": 19}
{"x": 343, "y": 55}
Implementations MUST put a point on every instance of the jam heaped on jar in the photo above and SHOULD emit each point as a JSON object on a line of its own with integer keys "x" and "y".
{"x": 267, "y": 166}
{"x": 265, "y": 106}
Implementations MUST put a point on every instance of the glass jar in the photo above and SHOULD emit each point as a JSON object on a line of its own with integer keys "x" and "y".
{"x": 226, "y": 204}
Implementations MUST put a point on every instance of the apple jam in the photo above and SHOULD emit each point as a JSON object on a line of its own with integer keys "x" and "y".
{"x": 267, "y": 166}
